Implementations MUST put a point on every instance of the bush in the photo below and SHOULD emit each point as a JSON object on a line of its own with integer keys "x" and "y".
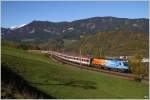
{"x": 23, "y": 46}
{"x": 136, "y": 67}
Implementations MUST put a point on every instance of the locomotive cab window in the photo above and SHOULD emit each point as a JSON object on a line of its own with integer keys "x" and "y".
{"x": 125, "y": 63}
{"x": 119, "y": 63}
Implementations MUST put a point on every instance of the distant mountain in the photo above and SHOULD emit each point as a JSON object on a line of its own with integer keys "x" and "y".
{"x": 41, "y": 31}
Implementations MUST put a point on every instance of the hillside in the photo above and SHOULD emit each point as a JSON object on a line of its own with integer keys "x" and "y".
{"x": 64, "y": 81}
{"x": 42, "y": 31}
{"x": 114, "y": 43}
{"x": 4, "y": 31}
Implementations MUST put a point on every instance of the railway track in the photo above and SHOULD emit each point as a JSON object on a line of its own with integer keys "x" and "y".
{"x": 128, "y": 76}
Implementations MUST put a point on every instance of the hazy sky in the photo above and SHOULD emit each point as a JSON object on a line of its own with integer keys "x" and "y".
{"x": 23, "y": 12}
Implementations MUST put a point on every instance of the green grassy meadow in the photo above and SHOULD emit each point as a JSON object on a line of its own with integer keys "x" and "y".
{"x": 65, "y": 81}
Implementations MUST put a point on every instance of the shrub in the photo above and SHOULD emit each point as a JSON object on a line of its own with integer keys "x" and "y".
{"x": 135, "y": 66}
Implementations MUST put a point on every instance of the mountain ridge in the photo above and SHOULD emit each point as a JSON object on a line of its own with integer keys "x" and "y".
{"x": 45, "y": 30}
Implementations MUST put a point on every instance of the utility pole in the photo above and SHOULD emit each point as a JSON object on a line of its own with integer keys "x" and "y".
{"x": 63, "y": 51}
{"x": 80, "y": 56}
{"x": 51, "y": 52}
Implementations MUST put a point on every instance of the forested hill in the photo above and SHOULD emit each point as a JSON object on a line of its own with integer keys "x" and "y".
{"x": 109, "y": 35}
{"x": 42, "y": 31}
{"x": 113, "y": 43}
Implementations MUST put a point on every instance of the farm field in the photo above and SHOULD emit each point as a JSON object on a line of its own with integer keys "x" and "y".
{"x": 65, "y": 81}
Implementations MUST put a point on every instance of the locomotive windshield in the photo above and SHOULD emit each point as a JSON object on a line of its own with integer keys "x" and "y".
{"x": 125, "y": 63}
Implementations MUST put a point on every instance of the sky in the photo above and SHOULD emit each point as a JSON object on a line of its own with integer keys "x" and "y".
{"x": 23, "y": 12}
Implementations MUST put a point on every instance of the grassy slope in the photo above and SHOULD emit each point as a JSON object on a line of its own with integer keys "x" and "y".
{"x": 64, "y": 81}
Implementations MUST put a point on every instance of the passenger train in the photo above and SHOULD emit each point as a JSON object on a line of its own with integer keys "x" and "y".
{"x": 92, "y": 62}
